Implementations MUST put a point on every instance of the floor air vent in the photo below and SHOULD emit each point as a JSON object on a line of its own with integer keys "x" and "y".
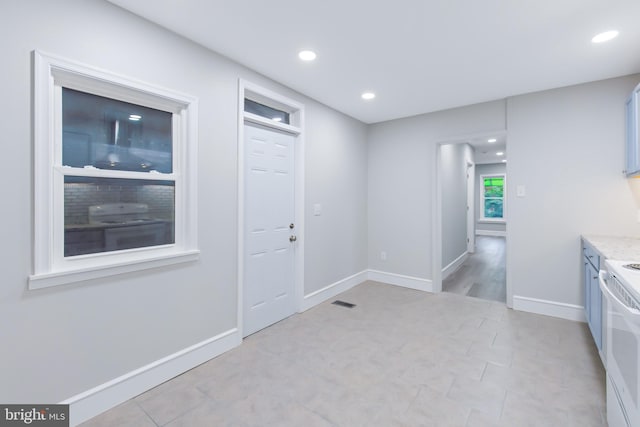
{"x": 343, "y": 304}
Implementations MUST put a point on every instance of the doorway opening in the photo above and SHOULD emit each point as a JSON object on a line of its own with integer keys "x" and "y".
{"x": 470, "y": 217}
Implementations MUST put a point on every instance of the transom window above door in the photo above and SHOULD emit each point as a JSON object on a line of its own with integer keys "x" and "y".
{"x": 265, "y": 111}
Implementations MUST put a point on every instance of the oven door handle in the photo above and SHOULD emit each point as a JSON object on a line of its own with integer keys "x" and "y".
{"x": 614, "y": 298}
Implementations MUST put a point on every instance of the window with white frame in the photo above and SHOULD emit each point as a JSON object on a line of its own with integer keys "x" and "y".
{"x": 492, "y": 197}
{"x": 115, "y": 174}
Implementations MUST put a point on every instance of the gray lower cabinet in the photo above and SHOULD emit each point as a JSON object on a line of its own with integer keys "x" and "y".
{"x": 592, "y": 293}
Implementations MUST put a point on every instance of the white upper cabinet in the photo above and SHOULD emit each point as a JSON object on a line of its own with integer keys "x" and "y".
{"x": 633, "y": 133}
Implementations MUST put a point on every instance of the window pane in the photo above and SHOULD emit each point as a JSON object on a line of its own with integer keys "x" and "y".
{"x": 493, "y": 187}
{"x": 266, "y": 111}
{"x": 103, "y": 215}
{"x": 493, "y": 208}
{"x": 110, "y": 134}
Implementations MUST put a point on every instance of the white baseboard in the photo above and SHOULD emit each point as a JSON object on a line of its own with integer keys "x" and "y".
{"x": 330, "y": 291}
{"x": 401, "y": 280}
{"x": 491, "y": 233}
{"x": 92, "y": 402}
{"x": 549, "y": 308}
{"x": 453, "y": 266}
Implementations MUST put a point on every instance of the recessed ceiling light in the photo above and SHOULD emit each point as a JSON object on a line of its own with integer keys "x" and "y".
{"x": 134, "y": 117}
{"x": 605, "y": 37}
{"x": 499, "y": 153}
{"x": 491, "y": 140}
{"x": 368, "y": 95}
{"x": 277, "y": 119}
{"x": 504, "y": 161}
{"x": 307, "y": 55}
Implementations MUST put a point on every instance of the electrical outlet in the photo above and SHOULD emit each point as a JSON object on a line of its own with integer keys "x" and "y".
{"x": 383, "y": 256}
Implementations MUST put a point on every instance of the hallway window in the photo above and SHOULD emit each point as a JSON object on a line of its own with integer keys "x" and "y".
{"x": 492, "y": 202}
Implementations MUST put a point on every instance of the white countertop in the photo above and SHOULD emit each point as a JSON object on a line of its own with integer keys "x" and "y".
{"x": 620, "y": 248}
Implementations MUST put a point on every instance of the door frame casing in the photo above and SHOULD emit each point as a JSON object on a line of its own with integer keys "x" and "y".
{"x": 296, "y": 128}
{"x": 436, "y": 224}
{"x": 471, "y": 207}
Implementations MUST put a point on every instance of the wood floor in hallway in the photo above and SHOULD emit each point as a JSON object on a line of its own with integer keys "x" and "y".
{"x": 483, "y": 274}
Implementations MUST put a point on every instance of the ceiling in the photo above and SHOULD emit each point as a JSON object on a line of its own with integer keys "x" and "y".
{"x": 487, "y": 152}
{"x": 418, "y": 56}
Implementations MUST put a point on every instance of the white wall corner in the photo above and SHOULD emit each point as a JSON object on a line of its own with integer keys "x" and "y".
{"x": 401, "y": 280}
{"x": 549, "y": 308}
{"x": 92, "y": 402}
{"x": 491, "y": 233}
{"x": 454, "y": 265}
{"x": 330, "y": 291}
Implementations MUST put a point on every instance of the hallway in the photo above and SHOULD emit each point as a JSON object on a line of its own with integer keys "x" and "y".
{"x": 483, "y": 274}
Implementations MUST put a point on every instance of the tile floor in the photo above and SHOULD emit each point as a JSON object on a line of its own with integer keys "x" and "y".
{"x": 399, "y": 358}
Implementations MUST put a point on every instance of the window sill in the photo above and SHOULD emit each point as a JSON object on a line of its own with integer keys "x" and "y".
{"x": 46, "y": 280}
{"x": 492, "y": 221}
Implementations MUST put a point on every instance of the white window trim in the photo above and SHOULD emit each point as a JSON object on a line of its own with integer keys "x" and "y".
{"x": 50, "y": 268}
{"x": 482, "y": 218}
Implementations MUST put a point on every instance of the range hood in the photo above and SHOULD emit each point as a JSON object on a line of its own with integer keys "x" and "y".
{"x": 119, "y": 155}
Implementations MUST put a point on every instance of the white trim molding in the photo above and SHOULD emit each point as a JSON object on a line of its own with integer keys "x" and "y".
{"x": 330, "y": 291}
{"x": 549, "y": 308}
{"x": 401, "y": 280}
{"x": 495, "y": 233}
{"x": 454, "y": 265}
{"x": 92, "y": 402}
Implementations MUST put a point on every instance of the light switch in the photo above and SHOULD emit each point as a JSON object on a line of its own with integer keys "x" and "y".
{"x": 520, "y": 191}
{"x": 317, "y": 209}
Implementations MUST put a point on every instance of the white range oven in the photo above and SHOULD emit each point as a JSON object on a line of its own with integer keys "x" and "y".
{"x": 620, "y": 284}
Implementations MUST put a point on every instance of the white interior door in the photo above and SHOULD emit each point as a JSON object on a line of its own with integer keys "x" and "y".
{"x": 269, "y": 227}
{"x": 471, "y": 220}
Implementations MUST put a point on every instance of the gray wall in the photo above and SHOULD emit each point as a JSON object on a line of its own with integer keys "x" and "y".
{"x": 336, "y": 178}
{"x": 566, "y": 146}
{"x": 402, "y": 159}
{"x": 61, "y": 341}
{"x": 453, "y": 161}
{"x": 487, "y": 169}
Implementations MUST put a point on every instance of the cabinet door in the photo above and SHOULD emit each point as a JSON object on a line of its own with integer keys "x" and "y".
{"x": 633, "y": 133}
{"x": 587, "y": 291}
{"x": 596, "y": 310}
{"x": 631, "y": 140}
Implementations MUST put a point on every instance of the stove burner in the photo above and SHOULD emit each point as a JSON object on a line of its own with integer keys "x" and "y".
{"x": 632, "y": 266}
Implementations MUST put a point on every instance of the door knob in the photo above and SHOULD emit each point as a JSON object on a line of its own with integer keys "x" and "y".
{"x": 292, "y": 238}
